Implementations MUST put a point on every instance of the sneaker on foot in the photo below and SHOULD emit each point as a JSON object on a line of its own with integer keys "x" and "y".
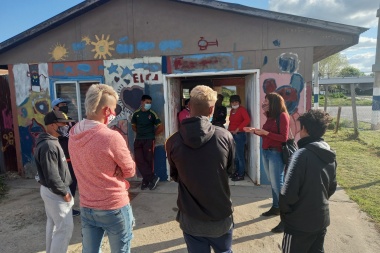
{"x": 144, "y": 185}
{"x": 153, "y": 183}
{"x": 233, "y": 175}
{"x": 237, "y": 178}
{"x": 272, "y": 211}
{"x": 76, "y": 213}
{"x": 279, "y": 228}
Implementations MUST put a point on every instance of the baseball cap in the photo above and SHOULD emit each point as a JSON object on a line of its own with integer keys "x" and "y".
{"x": 56, "y": 117}
{"x": 58, "y": 101}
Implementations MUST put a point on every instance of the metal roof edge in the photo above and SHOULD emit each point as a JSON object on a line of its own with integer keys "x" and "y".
{"x": 50, "y": 23}
{"x": 277, "y": 16}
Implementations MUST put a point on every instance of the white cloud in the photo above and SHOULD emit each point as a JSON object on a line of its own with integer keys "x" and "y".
{"x": 351, "y": 12}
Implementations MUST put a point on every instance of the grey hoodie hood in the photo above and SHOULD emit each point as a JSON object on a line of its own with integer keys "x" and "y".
{"x": 196, "y": 131}
{"x": 322, "y": 150}
{"x": 45, "y": 136}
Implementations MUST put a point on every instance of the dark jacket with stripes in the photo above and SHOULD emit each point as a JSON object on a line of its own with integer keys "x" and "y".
{"x": 309, "y": 183}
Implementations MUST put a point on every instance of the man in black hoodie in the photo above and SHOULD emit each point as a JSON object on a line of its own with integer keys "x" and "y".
{"x": 309, "y": 183}
{"x": 201, "y": 156}
{"x": 54, "y": 177}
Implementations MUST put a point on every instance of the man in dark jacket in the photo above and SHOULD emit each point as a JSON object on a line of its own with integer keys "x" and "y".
{"x": 200, "y": 156}
{"x": 309, "y": 183}
{"x": 54, "y": 177}
{"x": 61, "y": 104}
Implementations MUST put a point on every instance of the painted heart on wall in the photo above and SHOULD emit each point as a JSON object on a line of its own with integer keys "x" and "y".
{"x": 131, "y": 97}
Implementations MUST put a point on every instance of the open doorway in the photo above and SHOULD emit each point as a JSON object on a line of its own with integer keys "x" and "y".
{"x": 177, "y": 89}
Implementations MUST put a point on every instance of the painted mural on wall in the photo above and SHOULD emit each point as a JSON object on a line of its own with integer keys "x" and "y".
{"x": 105, "y": 46}
{"x": 8, "y": 148}
{"x": 132, "y": 78}
{"x": 289, "y": 84}
{"x": 33, "y": 102}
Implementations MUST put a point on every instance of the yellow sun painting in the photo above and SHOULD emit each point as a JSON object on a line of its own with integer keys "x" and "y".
{"x": 102, "y": 47}
{"x": 86, "y": 39}
{"x": 59, "y": 52}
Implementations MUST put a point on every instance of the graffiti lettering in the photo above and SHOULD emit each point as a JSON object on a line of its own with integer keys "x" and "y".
{"x": 141, "y": 78}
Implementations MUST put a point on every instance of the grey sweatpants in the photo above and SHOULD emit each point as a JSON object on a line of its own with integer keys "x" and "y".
{"x": 59, "y": 224}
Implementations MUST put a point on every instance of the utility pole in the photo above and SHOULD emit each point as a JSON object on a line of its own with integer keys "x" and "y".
{"x": 316, "y": 85}
{"x": 375, "y": 120}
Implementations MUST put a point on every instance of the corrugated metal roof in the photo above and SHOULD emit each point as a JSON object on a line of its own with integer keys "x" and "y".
{"x": 236, "y": 8}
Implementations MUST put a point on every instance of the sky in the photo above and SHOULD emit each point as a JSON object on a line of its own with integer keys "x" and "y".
{"x": 20, "y": 15}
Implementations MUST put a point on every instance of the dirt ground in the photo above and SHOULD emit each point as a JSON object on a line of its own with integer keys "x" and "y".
{"x": 22, "y": 222}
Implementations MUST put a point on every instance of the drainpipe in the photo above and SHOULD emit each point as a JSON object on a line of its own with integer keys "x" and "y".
{"x": 375, "y": 120}
{"x": 316, "y": 85}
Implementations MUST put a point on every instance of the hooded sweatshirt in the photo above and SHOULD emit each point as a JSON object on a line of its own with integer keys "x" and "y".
{"x": 51, "y": 164}
{"x": 200, "y": 155}
{"x": 96, "y": 152}
{"x": 309, "y": 183}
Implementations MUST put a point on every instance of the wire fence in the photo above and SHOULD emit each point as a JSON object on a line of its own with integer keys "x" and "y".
{"x": 331, "y": 99}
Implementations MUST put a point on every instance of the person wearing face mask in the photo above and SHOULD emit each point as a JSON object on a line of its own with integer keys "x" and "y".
{"x": 185, "y": 113}
{"x": 102, "y": 162}
{"x": 147, "y": 125}
{"x": 239, "y": 118}
{"x": 54, "y": 177}
{"x": 273, "y": 135}
{"x": 61, "y": 104}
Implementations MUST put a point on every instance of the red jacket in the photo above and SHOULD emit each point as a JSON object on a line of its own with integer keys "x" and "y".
{"x": 239, "y": 119}
{"x": 274, "y": 138}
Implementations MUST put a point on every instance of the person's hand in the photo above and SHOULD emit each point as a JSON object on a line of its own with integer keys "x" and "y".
{"x": 67, "y": 197}
{"x": 118, "y": 172}
{"x": 261, "y": 132}
{"x": 249, "y": 129}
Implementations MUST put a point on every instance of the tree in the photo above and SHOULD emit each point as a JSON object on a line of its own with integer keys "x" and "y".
{"x": 350, "y": 71}
{"x": 332, "y": 65}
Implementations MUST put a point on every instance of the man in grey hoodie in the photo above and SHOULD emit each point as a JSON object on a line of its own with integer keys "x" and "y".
{"x": 200, "y": 156}
{"x": 54, "y": 177}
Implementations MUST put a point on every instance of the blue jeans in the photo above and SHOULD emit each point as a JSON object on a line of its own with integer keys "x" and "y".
{"x": 197, "y": 244}
{"x": 117, "y": 223}
{"x": 240, "y": 139}
{"x": 274, "y": 168}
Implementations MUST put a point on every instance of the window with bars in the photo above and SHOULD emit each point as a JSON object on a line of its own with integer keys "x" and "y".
{"x": 75, "y": 92}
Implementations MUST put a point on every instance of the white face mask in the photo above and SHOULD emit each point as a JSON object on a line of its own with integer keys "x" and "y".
{"x": 235, "y": 106}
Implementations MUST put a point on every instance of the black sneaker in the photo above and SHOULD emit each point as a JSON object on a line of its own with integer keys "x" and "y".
{"x": 76, "y": 213}
{"x": 144, "y": 185}
{"x": 279, "y": 228}
{"x": 153, "y": 183}
{"x": 233, "y": 175}
{"x": 237, "y": 178}
{"x": 273, "y": 211}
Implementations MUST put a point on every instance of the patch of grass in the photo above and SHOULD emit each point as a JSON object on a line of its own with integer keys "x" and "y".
{"x": 342, "y": 100}
{"x": 3, "y": 186}
{"x": 358, "y": 170}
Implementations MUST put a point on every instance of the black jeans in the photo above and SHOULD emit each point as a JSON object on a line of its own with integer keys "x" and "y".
{"x": 197, "y": 244}
{"x": 144, "y": 157}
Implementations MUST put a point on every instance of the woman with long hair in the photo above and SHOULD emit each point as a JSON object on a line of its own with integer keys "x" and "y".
{"x": 274, "y": 132}
{"x": 239, "y": 118}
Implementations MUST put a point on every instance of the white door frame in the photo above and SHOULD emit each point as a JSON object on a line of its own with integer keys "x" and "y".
{"x": 255, "y": 118}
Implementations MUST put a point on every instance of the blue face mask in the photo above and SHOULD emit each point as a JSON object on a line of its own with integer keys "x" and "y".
{"x": 147, "y": 106}
{"x": 211, "y": 119}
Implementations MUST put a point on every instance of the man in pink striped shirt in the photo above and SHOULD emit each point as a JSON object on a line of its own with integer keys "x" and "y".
{"x": 101, "y": 161}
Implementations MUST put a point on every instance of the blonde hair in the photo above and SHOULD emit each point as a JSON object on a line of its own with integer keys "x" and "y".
{"x": 97, "y": 96}
{"x": 202, "y": 98}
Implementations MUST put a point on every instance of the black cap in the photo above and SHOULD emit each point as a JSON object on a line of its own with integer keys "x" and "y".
{"x": 56, "y": 117}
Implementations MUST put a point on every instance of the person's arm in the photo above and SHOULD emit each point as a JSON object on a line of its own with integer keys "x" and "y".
{"x": 173, "y": 168}
{"x": 122, "y": 157}
{"x": 133, "y": 122}
{"x": 231, "y": 156}
{"x": 293, "y": 181}
{"x": 333, "y": 183}
{"x": 246, "y": 119}
{"x": 159, "y": 129}
{"x": 49, "y": 162}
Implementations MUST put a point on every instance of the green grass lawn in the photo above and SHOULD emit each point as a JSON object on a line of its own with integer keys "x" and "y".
{"x": 358, "y": 170}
